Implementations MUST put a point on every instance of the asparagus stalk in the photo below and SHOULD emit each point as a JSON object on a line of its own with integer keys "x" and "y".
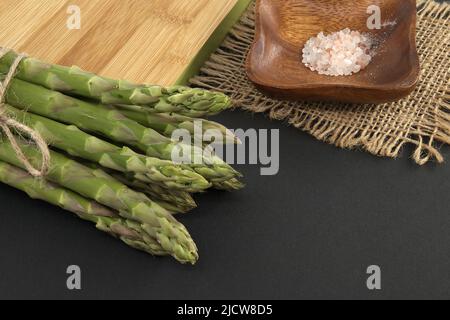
{"x": 74, "y": 81}
{"x": 79, "y": 144}
{"x": 167, "y": 123}
{"x": 156, "y": 221}
{"x": 172, "y": 208}
{"x": 229, "y": 185}
{"x": 172, "y": 200}
{"x": 193, "y": 102}
{"x": 104, "y": 218}
{"x": 114, "y": 125}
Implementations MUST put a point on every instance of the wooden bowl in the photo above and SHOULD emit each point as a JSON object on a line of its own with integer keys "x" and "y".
{"x": 284, "y": 26}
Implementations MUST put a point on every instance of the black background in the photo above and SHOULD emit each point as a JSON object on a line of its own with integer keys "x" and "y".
{"x": 309, "y": 232}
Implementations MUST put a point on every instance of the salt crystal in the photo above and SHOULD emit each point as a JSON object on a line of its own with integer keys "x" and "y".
{"x": 341, "y": 53}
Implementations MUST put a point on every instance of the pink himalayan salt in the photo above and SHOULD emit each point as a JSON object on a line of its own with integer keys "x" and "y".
{"x": 341, "y": 53}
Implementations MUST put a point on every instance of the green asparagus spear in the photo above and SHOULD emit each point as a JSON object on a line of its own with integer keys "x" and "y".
{"x": 174, "y": 201}
{"x": 104, "y": 218}
{"x": 114, "y": 125}
{"x": 79, "y": 144}
{"x": 171, "y": 199}
{"x": 229, "y": 185}
{"x": 72, "y": 80}
{"x": 192, "y": 102}
{"x": 156, "y": 221}
{"x": 167, "y": 123}
{"x": 172, "y": 208}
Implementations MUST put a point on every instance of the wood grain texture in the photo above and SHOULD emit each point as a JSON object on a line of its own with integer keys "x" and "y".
{"x": 284, "y": 26}
{"x": 139, "y": 40}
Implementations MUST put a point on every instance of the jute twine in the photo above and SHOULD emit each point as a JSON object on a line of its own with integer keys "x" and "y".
{"x": 6, "y": 124}
{"x": 422, "y": 119}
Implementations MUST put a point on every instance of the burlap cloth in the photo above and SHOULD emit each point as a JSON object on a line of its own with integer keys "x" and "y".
{"x": 422, "y": 119}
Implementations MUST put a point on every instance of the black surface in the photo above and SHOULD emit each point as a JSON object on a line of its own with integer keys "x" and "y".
{"x": 309, "y": 232}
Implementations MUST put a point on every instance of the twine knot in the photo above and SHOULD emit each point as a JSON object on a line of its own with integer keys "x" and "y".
{"x": 7, "y": 123}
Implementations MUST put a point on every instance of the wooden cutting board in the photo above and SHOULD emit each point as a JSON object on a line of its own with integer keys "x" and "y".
{"x": 153, "y": 41}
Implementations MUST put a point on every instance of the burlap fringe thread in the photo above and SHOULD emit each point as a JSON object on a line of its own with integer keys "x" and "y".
{"x": 422, "y": 119}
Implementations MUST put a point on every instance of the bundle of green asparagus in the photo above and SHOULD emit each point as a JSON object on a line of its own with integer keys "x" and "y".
{"x": 112, "y": 158}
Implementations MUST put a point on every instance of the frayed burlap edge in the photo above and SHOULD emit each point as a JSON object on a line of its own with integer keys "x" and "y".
{"x": 422, "y": 119}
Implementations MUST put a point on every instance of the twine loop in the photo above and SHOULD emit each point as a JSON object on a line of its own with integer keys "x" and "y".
{"x": 7, "y": 124}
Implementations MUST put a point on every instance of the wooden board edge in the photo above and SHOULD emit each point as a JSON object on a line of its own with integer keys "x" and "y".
{"x": 214, "y": 41}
